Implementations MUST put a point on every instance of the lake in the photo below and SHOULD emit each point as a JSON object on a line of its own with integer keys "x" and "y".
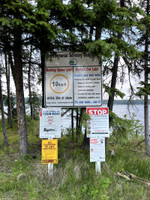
{"x": 120, "y": 110}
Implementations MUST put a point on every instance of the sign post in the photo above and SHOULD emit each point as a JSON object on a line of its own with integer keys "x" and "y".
{"x": 98, "y": 129}
{"x": 50, "y": 127}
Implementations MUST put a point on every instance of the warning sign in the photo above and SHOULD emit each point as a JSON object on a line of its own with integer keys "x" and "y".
{"x": 49, "y": 151}
{"x": 97, "y": 149}
{"x": 98, "y": 125}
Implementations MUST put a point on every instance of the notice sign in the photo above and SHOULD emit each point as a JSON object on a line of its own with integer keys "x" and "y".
{"x": 97, "y": 149}
{"x": 49, "y": 151}
{"x": 59, "y": 86}
{"x": 87, "y": 86}
{"x": 98, "y": 125}
{"x": 50, "y": 122}
{"x": 72, "y": 79}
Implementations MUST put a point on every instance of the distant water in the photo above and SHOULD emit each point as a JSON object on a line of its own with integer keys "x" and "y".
{"x": 120, "y": 110}
{"x": 138, "y": 110}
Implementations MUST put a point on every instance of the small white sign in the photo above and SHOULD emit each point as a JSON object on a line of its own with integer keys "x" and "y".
{"x": 98, "y": 125}
{"x": 50, "y": 123}
{"x": 97, "y": 149}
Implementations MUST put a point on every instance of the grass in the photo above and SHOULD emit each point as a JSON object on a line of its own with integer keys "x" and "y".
{"x": 74, "y": 176}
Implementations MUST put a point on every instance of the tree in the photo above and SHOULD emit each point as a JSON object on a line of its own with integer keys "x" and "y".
{"x": 145, "y": 88}
{"x": 2, "y": 112}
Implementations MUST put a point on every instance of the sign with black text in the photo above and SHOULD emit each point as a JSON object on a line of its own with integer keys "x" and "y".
{"x": 49, "y": 151}
{"x": 72, "y": 79}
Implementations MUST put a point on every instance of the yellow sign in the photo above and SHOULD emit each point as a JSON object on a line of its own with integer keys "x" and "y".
{"x": 50, "y": 151}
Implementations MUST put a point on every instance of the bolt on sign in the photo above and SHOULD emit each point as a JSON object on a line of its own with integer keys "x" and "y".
{"x": 72, "y": 79}
{"x": 50, "y": 151}
{"x": 98, "y": 125}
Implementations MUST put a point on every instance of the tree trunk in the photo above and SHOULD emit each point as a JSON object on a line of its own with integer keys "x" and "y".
{"x": 113, "y": 83}
{"x": 43, "y": 71}
{"x": 29, "y": 86}
{"x": 146, "y": 114}
{"x": 72, "y": 122}
{"x": 22, "y": 129}
{"x": 3, "y": 117}
{"x": 114, "y": 71}
{"x": 8, "y": 92}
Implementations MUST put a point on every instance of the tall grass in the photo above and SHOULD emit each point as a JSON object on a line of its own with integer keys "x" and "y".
{"x": 74, "y": 176}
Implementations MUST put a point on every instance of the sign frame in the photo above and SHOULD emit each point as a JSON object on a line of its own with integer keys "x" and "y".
{"x": 66, "y": 60}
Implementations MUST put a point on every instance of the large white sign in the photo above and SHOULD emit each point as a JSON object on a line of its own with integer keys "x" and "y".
{"x": 98, "y": 125}
{"x": 97, "y": 149}
{"x": 72, "y": 79}
{"x": 50, "y": 123}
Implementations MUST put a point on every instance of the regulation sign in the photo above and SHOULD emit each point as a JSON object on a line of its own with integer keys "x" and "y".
{"x": 49, "y": 151}
{"x": 50, "y": 122}
{"x": 72, "y": 79}
{"x": 97, "y": 149}
{"x": 59, "y": 86}
{"x": 98, "y": 125}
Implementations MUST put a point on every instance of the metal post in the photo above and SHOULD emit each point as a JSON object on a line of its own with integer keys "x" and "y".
{"x": 50, "y": 166}
{"x": 50, "y": 170}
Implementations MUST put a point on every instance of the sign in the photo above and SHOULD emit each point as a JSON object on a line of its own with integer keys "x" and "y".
{"x": 97, "y": 149}
{"x": 49, "y": 151}
{"x": 98, "y": 125}
{"x": 50, "y": 122}
{"x": 68, "y": 59}
{"x": 59, "y": 86}
{"x": 72, "y": 79}
{"x": 87, "y": 86}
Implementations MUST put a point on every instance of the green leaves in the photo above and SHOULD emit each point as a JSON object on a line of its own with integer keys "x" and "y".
{"x": 145, "y": 90}
{"x": 117, "y": 92}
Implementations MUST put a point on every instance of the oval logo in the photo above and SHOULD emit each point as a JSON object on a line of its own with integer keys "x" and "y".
{"x": 73, "y": 61}
{"x": 59, "y": 83}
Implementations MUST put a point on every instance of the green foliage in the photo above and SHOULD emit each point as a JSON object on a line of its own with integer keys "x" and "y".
{"x": 74, "y": 176}
{"x": 117, "y": 92}
{"x": 124, "y": 129}
{"x": 145, "y": 90}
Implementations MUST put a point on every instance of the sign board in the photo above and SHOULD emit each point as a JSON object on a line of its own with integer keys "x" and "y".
{"x": 72, "y": 79}
{"x": 49, "y": 151}
{"x": 97, "y": 149}
{"x": 98, "y": 125}
{"x": 50, "y": 122}
{"x": 87, "y": 86}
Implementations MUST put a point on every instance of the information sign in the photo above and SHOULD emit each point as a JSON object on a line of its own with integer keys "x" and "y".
{"x": 59, "y": 90}
{"x": 98, "y": 125}
{"x": 72, "y": 79}
{"x": 50, "y": 122}
{"x": 97, "y": 149}
{"x": 49, "y": 151}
